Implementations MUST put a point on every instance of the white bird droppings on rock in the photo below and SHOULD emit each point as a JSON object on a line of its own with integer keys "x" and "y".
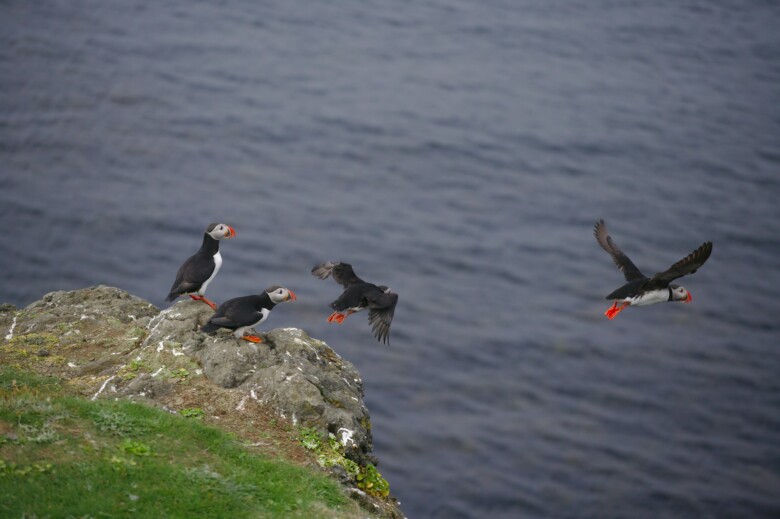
{"x": 109, "y": 379}
{"x": 346, "y": 436}
{"x": 10, "y": 334}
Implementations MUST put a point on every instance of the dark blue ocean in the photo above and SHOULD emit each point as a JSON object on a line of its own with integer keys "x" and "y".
{"x": 460, "y": 153}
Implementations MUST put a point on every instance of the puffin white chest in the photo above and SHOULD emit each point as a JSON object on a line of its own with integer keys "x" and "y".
{"x": 650, "y": 298}
{"x": 265, "y": 312}
{"x": 217, "y": 266}
{"x": 243, "y": 329}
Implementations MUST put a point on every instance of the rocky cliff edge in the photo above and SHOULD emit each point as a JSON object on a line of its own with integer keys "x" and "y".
{"x": 291, "y": 396}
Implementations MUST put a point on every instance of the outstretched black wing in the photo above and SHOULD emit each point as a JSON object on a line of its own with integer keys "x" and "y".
{"x": 381, "y": 308}
{"x": 342, "y": 273}
{"x": 688, "y": 265}
{"x": 630, "y": 271}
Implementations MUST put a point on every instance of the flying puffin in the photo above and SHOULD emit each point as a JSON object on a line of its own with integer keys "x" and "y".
{"x": 359, "y": 295}
{"x": 641, "y": 290}
{"x": 242, "y": 313}
{"x": 199, "y": 270}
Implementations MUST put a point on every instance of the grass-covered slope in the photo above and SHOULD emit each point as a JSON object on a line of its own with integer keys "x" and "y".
{"x": 64, "y": 456}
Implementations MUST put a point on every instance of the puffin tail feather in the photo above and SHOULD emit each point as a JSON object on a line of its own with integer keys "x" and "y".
{"x": 209, "y": 328}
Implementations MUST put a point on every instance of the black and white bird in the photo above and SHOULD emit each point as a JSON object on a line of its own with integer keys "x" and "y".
{"x": 641, "y": 290}
{"x": 359, "y": 295}
{"x": 199, "y": 270}
{"x": 243, "y": 313}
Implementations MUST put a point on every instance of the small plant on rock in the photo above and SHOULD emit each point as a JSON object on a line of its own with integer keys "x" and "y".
{"x": 193, "y": 412}
{"x": 330, "y": 453}
{"x": 371, "y": 481}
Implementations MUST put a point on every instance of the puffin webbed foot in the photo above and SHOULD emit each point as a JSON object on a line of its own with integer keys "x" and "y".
{"x": 252, "y": 338}
{"x": 613, "y": 310}
{"x": 337, "y": 317}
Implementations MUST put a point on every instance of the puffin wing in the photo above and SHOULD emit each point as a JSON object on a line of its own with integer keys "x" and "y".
{"x": 380, "y": 315}
{"x": 342, "y": 273}
{"x": 688, "y": 265}
{"x": 353, "y": 296}
{"x": 623, "y": 262}
{"x": 191, "y": 275}
{"x": 236, "y": 313}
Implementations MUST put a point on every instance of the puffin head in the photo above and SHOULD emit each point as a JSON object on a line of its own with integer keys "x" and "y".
{"x": 220, "y": 230}
{"x": 280, "y": 294}
{"x": 680, "y": 294}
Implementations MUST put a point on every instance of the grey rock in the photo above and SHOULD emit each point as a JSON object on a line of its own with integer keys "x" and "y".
{"x": 146, "y": 387}
{"x": 301, "y": 377}
{"x": 322, "y": 390}
{"x": 90, "y": 303}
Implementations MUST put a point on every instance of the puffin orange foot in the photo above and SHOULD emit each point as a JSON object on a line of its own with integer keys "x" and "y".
{"x": 212, "y": 304}
{"x": 613, "y": 310}
{"x": 196, "y": 298}
{"x": 336, "y": 316}
{"x": 252, "y": 338}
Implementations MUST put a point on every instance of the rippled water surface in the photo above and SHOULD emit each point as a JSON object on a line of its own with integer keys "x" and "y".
{"x": 460, "y": 153}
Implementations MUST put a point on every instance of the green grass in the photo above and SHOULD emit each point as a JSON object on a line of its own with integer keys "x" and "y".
{"x": 62, "y": 456}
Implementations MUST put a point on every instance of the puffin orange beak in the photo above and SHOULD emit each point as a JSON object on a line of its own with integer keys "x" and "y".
{"x": 292, "y": 295}
{"x": 230, "y": 232}
{"x": 689, "y": 298}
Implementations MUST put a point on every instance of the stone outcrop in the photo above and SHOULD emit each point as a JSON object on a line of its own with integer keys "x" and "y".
{"x": 108, "y": 343}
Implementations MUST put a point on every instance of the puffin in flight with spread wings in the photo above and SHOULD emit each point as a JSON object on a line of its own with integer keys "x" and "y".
{"x": 241, "y": 314}
{"x": 199, "y": 270}
{"x": 641, "y": 290}
{"x": 359, "y": 295}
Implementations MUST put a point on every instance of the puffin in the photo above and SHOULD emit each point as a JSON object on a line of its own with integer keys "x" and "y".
{"x": 199, "y": 270}
{"x": 359, "y": 295}
{"x": 242, "y": 313}
{"x": 641, "y": 290}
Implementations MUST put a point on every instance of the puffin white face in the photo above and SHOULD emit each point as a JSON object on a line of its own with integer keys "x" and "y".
{"x": 280, "y": 294}
{"x": 680, "y": 294}
{"x": 220, "y": 230}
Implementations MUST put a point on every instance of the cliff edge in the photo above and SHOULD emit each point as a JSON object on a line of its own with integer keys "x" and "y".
{"x": 290, "y": 396}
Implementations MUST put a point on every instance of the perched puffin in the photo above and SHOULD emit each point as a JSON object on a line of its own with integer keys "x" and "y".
{"x": 242, "y": 313}
{"x": 359, "y": 295}
{"x": 199, "y": 270}
{"x": 641, "y": 290}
